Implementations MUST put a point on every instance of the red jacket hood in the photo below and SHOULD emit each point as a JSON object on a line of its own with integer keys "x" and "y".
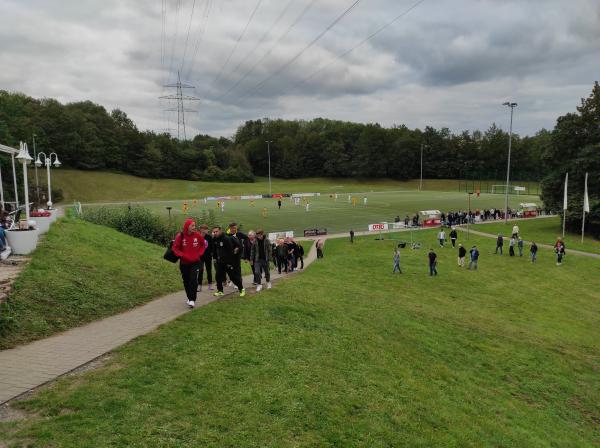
{"x": 186, "y": 225}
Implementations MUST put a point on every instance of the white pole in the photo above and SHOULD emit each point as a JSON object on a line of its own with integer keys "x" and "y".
{"x": 37, "y": 182}
{"x": 421, "y": 183}
{"x": 49, "y": 186}
{"x": 269, "y": 154}
{"x": 26, "y": 186}
{"x": 15, "y": 182}
{"x": 512, "y": 106}
{"x": 565, "y": 205}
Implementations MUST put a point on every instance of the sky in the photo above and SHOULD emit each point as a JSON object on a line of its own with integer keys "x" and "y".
{"x": 440, "y": 63}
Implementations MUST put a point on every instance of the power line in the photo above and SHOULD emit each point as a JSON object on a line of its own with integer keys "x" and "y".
{"x": 264, "y": 36}
{"x": 301, "y": 52}
{"x": 238, "y": 41}
{"x": 177, "y": 9}
{"x": 307, "y": 7}
{"x": 201, "y": 33}
{"x": 361, "y": 43}
{"x": 187, "y": 38}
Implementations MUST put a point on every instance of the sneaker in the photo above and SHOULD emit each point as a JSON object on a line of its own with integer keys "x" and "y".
{"x": 199, "y": 288}
{"x": 242, "y": 292}
{"x": 269, "y": 285}
{"x": 210, "y": 287}
{"x": 219, "y": 294}
{"x": 187, "y": 302}
{"x": 259, "y": 288}
{"x": 191, "y": 304}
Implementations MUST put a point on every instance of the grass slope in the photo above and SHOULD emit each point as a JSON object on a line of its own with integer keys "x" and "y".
{"x": 347, "y": 355}
{"x": 95, "y": 186}
{"x": 336, "y": 216}
{"x": 82, "y": 272}
{"x": 544, "y": 230}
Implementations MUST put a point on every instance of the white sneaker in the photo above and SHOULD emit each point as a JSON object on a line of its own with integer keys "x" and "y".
{"x": 191, "y": 304}
{"x": 268, "y": 285}
{"x": 187, "y": 302}
{"x": 259, "y": 288}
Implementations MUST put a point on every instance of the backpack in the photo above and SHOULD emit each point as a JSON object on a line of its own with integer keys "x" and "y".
{"x": 169, "y": 254}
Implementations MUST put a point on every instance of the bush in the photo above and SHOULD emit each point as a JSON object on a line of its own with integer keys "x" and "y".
{"x": 135, "y": 221}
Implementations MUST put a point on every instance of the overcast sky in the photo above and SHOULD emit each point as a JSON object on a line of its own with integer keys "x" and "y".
{"x": 444, "y": 63}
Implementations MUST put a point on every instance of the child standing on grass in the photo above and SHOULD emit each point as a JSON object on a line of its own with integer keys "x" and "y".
{"x": 397, "y": 260}
{"x": 533, "y": 251}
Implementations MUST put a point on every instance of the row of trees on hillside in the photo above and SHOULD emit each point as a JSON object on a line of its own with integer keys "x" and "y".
{"x": 331, "y": 148}
{"x": 86, "y": 136}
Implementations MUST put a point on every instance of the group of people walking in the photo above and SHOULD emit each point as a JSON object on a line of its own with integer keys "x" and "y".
{"x": 201, "y": 249}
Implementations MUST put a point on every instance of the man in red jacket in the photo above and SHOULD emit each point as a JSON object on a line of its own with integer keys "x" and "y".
{"x": 189, "y": 246}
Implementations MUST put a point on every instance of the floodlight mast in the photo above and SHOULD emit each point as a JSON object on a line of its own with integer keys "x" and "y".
{"x": 512, "y": 107}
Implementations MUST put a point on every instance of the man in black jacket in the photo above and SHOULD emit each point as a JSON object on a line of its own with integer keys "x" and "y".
{"x": 227, "y": 261}
{"x": 453, "y": 237}
{"x": 206, "y": 260}
{"x": 240, "y": 239}
{"x": 260, "y": 255}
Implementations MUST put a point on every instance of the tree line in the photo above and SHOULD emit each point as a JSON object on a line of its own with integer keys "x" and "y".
{"x": 86, "y": 136}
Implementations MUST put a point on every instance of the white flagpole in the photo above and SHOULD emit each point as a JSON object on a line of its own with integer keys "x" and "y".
{"x": 586, "y": 207}
{"x": 565, "y": 204}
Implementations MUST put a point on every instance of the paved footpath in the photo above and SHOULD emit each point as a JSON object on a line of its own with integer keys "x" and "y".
{"x": 29, "y": 366}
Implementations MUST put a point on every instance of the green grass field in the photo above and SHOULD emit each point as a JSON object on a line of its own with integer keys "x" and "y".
{"x": 349, "y": 355}
{"x": 95, "y": 186}
{"x": 79, "y": 273}
{"x": 336, "y": 216}
{"x": 544, "y": 230}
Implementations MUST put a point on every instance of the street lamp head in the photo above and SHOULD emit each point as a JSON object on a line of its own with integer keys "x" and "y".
{"x": 57, "y": 163}
{"x": 38, "y": 162}
{"x": 23, "y": 156}
{"x": 509, "y": 104}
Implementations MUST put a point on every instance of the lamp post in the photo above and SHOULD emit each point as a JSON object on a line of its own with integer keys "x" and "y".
{"x": 421, "y": 182}
{"x": 48, "y": 162}
{"x": 268, "y": 142}
{"x": 512, "y": 107}
{"x": 469, "y": 193}
{"x": 24, "y": 158}
{"x": 37, "y": 182}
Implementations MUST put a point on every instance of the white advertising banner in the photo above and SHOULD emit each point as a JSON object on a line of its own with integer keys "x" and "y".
{"x": 378, "y": 227}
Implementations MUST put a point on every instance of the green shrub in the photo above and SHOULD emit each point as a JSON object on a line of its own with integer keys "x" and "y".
{"x": 135, "y": 221}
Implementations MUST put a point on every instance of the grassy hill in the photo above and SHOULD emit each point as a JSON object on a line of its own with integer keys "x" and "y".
{"x": 95, "y": 186}
{"x": 348, "y": 354}
{"x": 79, "y": 273}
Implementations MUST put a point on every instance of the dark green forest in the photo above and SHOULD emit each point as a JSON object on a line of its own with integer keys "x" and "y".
{"x": 86, "y": 136}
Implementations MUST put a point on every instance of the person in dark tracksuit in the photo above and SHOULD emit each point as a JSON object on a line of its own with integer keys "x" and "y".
{"x": 299, "y": 255}
{"x": 260, "y": 255}
{"x": 499, "y": 244}
{"x": 238, "y": 238}
{"x": 432, "y": 262}
{"x": 453, "y": 237}
{"x": 189, "y": 246}
{"x": 206, "y": 260}
{"x": 227, "y": 262}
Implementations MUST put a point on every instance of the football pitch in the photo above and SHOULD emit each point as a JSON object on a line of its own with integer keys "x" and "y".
{"x": 326, "y": 212}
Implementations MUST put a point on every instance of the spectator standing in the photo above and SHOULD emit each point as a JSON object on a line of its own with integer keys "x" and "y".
{"x": 515, "y": 231}
{"x": 533, "y": 251}
{"x": 397, "y": 261}
{"x": 351, "y": 236}
{"x": 319, "y": 245}
{"x": 511, "y": 246}
{"x": 499, "y": 244}
{"x": 453, "y": 237}
{"x": 474, "y": 253}
{"x": 432, "y": 262}
{"x": 520, "y": 246}
{"x": 462, "y": 252}
{"x": 442, "y": 237}
{"x": 281, "y": 255}
{"x": 560, "y": 253}
{"x": 279, "y": 204}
